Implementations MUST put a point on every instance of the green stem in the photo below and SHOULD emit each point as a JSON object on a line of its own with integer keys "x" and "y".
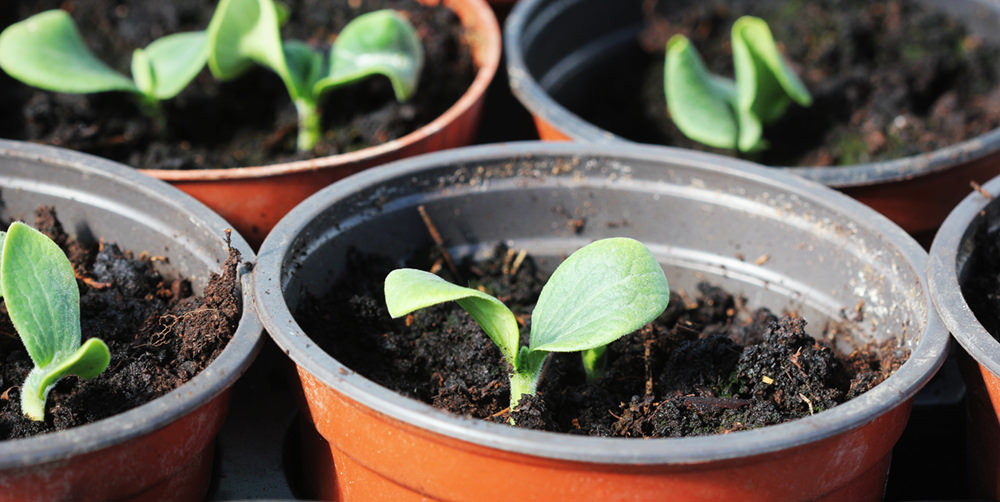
{"x": 33, "y": 396}
{"x": 151, "y": 108}
{"x": 309, "y": 125}
{"x": 521, "y": 384}
{"x": 594, "y": 363}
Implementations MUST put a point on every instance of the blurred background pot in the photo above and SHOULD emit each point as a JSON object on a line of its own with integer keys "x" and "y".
{"x": 699, "y": 214}
{"x": 254, "y": 198}
{"x": 163, "y": 449}
{"x": 552, "y": 46}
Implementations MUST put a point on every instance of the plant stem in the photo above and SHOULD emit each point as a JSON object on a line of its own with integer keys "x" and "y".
{"x": 309, "y": 125}
{"x": 594, "y": 363}
{"x": 31, "y": 404}
{"x": 521, "y": 383}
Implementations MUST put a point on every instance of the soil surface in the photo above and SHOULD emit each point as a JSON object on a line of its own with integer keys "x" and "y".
{"x": 706, "y": 365}
{"x": 244, "y": 122}
{"x": 159, "y": 333}
{"x": 982, "y": 288}
{"x": 888, "y": 78}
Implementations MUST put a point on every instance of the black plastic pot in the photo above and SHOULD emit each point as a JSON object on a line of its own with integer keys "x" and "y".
{"x": 705, "y": 218}
{"x": 554, "y": 48}
{"x": 163, "y": 449}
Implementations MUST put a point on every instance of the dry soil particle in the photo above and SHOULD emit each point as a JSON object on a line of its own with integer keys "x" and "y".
{"x": 244, "y": 122}
{"x": 889, "y": 78}
{"x": 159, "y": 333}
{"x": 709, "y": 367}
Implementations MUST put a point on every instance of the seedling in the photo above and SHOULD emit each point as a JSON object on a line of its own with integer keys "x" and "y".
{"x": 243, "y": 33}
{"x": 727, "y": 113}
{"x": 39, "y": 287}
{"x": 602, "y": 292}
{"x": 47, "y": 51}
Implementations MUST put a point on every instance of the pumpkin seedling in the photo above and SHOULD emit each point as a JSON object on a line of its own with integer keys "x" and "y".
{"x": 39, "y": 287}
{"x": 600, "y": 293}
{"x": 243, "y": 33}
{"x": 727, "y": 113}
{"x": 47, "y": 51}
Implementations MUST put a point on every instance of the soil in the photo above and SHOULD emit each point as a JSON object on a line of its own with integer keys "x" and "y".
{"x": 981, "y": 289}
{"x": 889, "y": 79}
{"x": 244, "y": 122}
{"x": 160, "y": 335}
{"x": 706, "y": 365}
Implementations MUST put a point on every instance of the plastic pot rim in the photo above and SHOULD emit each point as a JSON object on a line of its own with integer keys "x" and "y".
{"x": 160, "y": 412}
{"x": 280, "y": 324}
{"x": 942, "y": 276}
{"x": 489, "y": 37}
{"x": 538, "y": 102}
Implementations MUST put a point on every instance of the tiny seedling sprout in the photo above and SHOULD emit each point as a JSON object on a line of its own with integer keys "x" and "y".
{"x": 600, "y": 293}
{"x": 43, "y": 301}
{"x": 243, "y": 33}
{"x": 726, "y": 113}
{"x": 47, "y": 51}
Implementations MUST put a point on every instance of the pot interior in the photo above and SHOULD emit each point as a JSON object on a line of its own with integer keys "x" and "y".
{"x": 785, "y": 245}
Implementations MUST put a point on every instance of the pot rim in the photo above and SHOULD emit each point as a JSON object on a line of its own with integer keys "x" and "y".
{"x": 206, "y": 385}
{"x": 540, "y": 104}
{"x": 942, "y": 276}
{"x": 279, "y": 322}
{"x": 486, "y": 35}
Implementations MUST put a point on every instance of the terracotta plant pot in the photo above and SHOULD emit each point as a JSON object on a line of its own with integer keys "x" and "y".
{"x": 550, "y": 45}
{"x": 697, "y": 213}
{"x": 254, "y": 198}
{"x": 951, "y": 268}
{"x": 163, "y": 449}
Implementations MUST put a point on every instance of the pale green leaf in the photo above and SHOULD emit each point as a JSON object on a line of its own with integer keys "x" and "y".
{"x": 407, "y": 290}
{"x": 382, "y": 42}
{"x": 176, "y": 60}
{"x": 42, "y": 297}
{"x": 142, "y": 72}
{"x": 88, "y": 361}
{"x": 701, "y": 104}
{"x": 3, "y": 237}
{"x": 602, "y": 292}
{"x": 243, "y": 33}
{"x": 304, "y": 67}
{"x": 765, "y": 83}
{"x": 46, "y": 51}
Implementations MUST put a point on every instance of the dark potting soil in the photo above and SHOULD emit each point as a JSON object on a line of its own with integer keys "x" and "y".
{"x": 244, "y": 122}
{"x": 981, "y": 289}
{"x": 888, "y": 78}
{"x": 706, "y": 365}
{"x": 160, "y": 335}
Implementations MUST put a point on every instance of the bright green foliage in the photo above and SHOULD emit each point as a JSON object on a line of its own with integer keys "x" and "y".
{"x": 727, "y": 113}
{"x": 46, "y": 51}
{"x": 602, "y": 292}
{"x": 244, "y": 33}
{"x": 43, "y": 302}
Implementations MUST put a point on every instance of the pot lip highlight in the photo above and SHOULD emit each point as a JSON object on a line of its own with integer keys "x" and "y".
{"x": 540, "y": 104}
{"x": 926, "y": 357}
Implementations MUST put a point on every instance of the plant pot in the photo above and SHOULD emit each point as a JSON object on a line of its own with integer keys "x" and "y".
{"x": 552, "y": 47}
{"x": 163, "y": 449}
{"x": 254, "y": 198}
{"x": 953, "y": 257}
{"x": 698, "y": 213}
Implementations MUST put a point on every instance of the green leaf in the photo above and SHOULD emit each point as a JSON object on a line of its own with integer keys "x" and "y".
{"x": 176, "y": 60}
{"x": 701, "y": 104}
{"x": 243, "y": 33}
{"x": 765, "y": 83}
{"x": 42, "y": 297}
{"x": 3, "y": 237}
{"x": 86, "y": 362}
{"x": 46, "y": 51}
{"x": 602, "y": 292}
{"x": 304, "y": 67}
{"x": 407, "y": 290}
{"x": 382, "y": 42}
{"x": 142, "y": 72}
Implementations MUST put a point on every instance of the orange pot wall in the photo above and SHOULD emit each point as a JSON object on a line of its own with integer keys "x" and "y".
{"x": 983, "y": 435}
{"x": 253, "y": 199}
{"x": 375, "y": 457}
{"x": 171, "y": 464}
{"x": 918, "y": 204}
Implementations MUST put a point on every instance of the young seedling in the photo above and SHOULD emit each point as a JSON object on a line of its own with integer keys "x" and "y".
{"x": 727, "y": 113}
{"x": 602, "y": 292}
{"x": 47, "y": 51}
{"x": 43, "y": 302}
{"x": 243, "y": 33}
